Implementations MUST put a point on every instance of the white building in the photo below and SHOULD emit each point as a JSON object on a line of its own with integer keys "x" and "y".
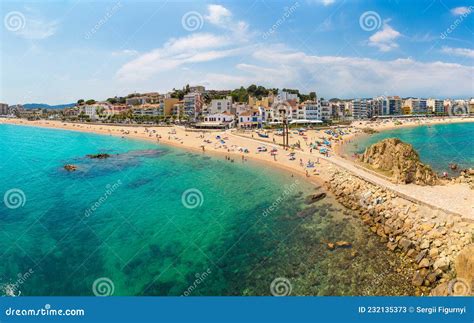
{"x": 436, "y": 106}
{"x": 220, "y": 118}
{"x": 358, "y": 109}
{"x": 220, "y": 105}
{"x": 238, "y": 108}
{"x": 311, "y": 111}
{"x": 391, "y": 105}
{"x": 417, "y": 106}
{"x": 217, "y": 121}
{"x": 283, "y": 96}
{"x": 325, "y": 110}
{"x": 97, "y": 110}
{"x": 251, "y": 119}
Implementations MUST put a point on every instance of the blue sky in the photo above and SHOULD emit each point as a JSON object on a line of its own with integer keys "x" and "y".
{"x": 60, "y": 51}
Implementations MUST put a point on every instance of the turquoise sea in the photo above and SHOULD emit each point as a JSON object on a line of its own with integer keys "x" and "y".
{"x": 438, "y": 145}
{"x": 155, "y": 220}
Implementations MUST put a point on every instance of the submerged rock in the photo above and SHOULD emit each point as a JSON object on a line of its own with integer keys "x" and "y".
{"x": 400, "y": 161}
{"x": 307, "y": 212}
{"x": 70, "y": 168}
{"x": 343, "y": 244}
{"x": 98, "y": 156}
{"x": 314, "y": 198}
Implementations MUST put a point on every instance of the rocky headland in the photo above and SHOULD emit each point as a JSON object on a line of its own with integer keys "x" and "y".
{"x": 399, "y": 161}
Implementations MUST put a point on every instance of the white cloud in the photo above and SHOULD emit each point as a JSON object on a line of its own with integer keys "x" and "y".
{"x": 385, "y": 39}
{"x": 218, "y": 15}
{"x": 195, "y": 48}
{"x": 337, "y": 76}
{"x": 222, "y": 17}
{"x": 465, "y": 52}
{"x": 459, "y": 11}
{"x": 276, "y": 65}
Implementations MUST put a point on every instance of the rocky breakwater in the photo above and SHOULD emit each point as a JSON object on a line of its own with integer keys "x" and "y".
{"x": 399, "y": 161}
{"x": 466, "y": 176}
{"x": 432, "y": 241}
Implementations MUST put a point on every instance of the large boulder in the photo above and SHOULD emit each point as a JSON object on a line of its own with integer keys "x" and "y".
{"x": 399, "y": 161}
{"x": 464, "y": 264}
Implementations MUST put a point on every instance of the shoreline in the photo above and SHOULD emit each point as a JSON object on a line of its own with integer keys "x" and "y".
{"x": 402, "y": 218}
{"x": 455, "y": 200}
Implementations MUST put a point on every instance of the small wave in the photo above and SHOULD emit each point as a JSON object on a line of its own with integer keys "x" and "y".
{"x": 9, "y": 290}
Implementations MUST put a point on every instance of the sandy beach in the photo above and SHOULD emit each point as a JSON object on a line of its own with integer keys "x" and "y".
{"x": 452, "y": 198}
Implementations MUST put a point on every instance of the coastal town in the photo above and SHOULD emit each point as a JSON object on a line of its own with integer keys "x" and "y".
{"x": 423, "y": 215}
{"x": 246, "y": 108}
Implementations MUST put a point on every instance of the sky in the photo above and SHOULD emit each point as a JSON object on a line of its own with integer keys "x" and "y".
{"x": 57, "y": 52}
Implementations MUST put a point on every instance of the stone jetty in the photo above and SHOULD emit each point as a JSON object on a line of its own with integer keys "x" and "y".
{"x": 429, "y": 239}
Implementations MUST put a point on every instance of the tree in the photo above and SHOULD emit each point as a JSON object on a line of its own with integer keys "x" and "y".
{"x": 240, "y": 95}
{"x": 112, "y": 100}
{"x": 80, "y": 102}
{"x": 178, "y": 94}
{"x": 252, "y": 89}
{"x": 91, "y": 101}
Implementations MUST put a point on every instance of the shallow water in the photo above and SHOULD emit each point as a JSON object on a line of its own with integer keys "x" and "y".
{"x": 155, "y": 220}
{"x": 438, "y": 145}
